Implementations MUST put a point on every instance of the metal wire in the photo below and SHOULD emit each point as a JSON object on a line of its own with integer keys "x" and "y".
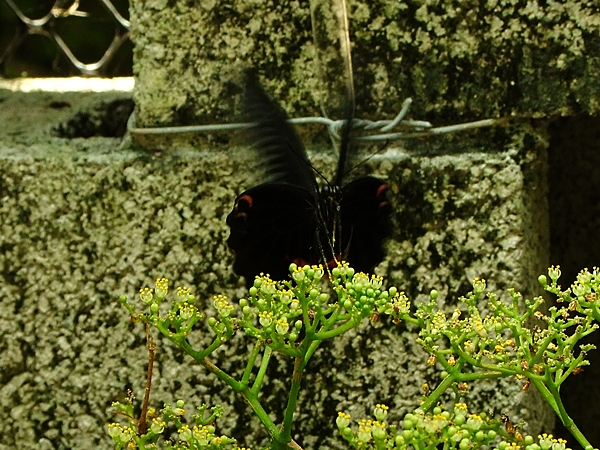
{"x": 416, "y": 128}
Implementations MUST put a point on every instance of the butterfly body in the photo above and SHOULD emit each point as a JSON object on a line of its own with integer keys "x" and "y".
{"x": 288, "y": 219}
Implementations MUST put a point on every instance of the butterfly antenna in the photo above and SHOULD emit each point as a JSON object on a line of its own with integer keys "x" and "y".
{"x": 325, "y": 261}
{"x": 383, "y": 147}
{"x": 313, "y": 168}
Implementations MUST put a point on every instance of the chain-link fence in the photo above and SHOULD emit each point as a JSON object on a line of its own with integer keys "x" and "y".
{"x": 49, "y": 38}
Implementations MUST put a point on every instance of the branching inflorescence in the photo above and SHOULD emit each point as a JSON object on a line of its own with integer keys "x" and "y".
{"x": 514, "y": 339}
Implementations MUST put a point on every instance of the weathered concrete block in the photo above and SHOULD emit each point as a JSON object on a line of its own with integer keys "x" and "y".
{"x": 458, "y": 59}
{"x": 87, "y": 219}
{"x": 84, "y": 221}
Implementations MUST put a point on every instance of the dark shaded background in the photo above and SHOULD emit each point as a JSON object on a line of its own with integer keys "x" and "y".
{"x": 574, "y": 201}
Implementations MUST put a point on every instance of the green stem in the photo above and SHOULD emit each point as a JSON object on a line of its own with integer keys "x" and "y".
{"x": 252, "y": 399}
{"x": 262, "y": 371}
{"x": 491, "y": 375}
{"x": 250, "y": 364}
{"x": 251, "y": 396}
{"x": 570, "y": 369}
{"x": 198, "y": 356}
{"x": 336, "y": 331}
{"x": 566, "y": 419}
{"x": 309, "y": 352}
{"x": 286, "y": 432}
{"x": 433, "y": 398}
{"x": 221, "y": 375}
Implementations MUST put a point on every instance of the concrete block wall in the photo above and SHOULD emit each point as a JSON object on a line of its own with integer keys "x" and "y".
{"x": 87, "y": 219}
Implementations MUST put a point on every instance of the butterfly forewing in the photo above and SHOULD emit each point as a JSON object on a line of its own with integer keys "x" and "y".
{"x": 282, "y": 154}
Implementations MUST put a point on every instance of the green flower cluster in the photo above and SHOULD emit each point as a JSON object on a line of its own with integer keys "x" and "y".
{"x": 514, "y": 339}
{"x": 582, "y": 296}
{"x": 178, "y": 320}
{"x": 447, "y": 429}
{"x": 291, "y": 317}
{"x": 199, "y": 434}
{"x": 283, "y": 314}
{"x": 483, "y": 338}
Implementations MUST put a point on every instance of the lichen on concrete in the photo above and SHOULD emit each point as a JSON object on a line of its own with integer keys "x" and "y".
{"x": 458, "y": 59}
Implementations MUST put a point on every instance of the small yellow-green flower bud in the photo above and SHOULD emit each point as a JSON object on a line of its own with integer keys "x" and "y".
{"x": 378, "y": 430}
{"x": 478, "y": 285}
{"x": 343, "y": 420}
{"x": 157, "y": 426}
{"x": 554, "y": 273}
{"x": 298, "y": 275}
{"x": 364, "y": 434}
{"x": 380, "y": 412}
{"x": 265, "y": 318}
{"x": 459, "y": 419}
{"x": 282, "y": 326}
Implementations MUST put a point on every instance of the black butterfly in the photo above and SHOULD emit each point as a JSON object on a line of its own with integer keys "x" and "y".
{"x": 288, "y": 218}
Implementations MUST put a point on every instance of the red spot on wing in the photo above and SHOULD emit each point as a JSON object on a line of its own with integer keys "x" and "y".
{"x": 244, "y": 202}
{"x": 381, "y": 191}
{"x": 384, "y": 206}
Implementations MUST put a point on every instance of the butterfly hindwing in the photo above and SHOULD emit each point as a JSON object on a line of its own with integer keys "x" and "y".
{"x": 365, "y": 222}
{"x": 272, "y": 225}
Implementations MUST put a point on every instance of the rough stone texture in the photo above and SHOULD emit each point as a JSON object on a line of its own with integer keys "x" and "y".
{"x": 458, "y": 59}
{"x": 86, "y": 220}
